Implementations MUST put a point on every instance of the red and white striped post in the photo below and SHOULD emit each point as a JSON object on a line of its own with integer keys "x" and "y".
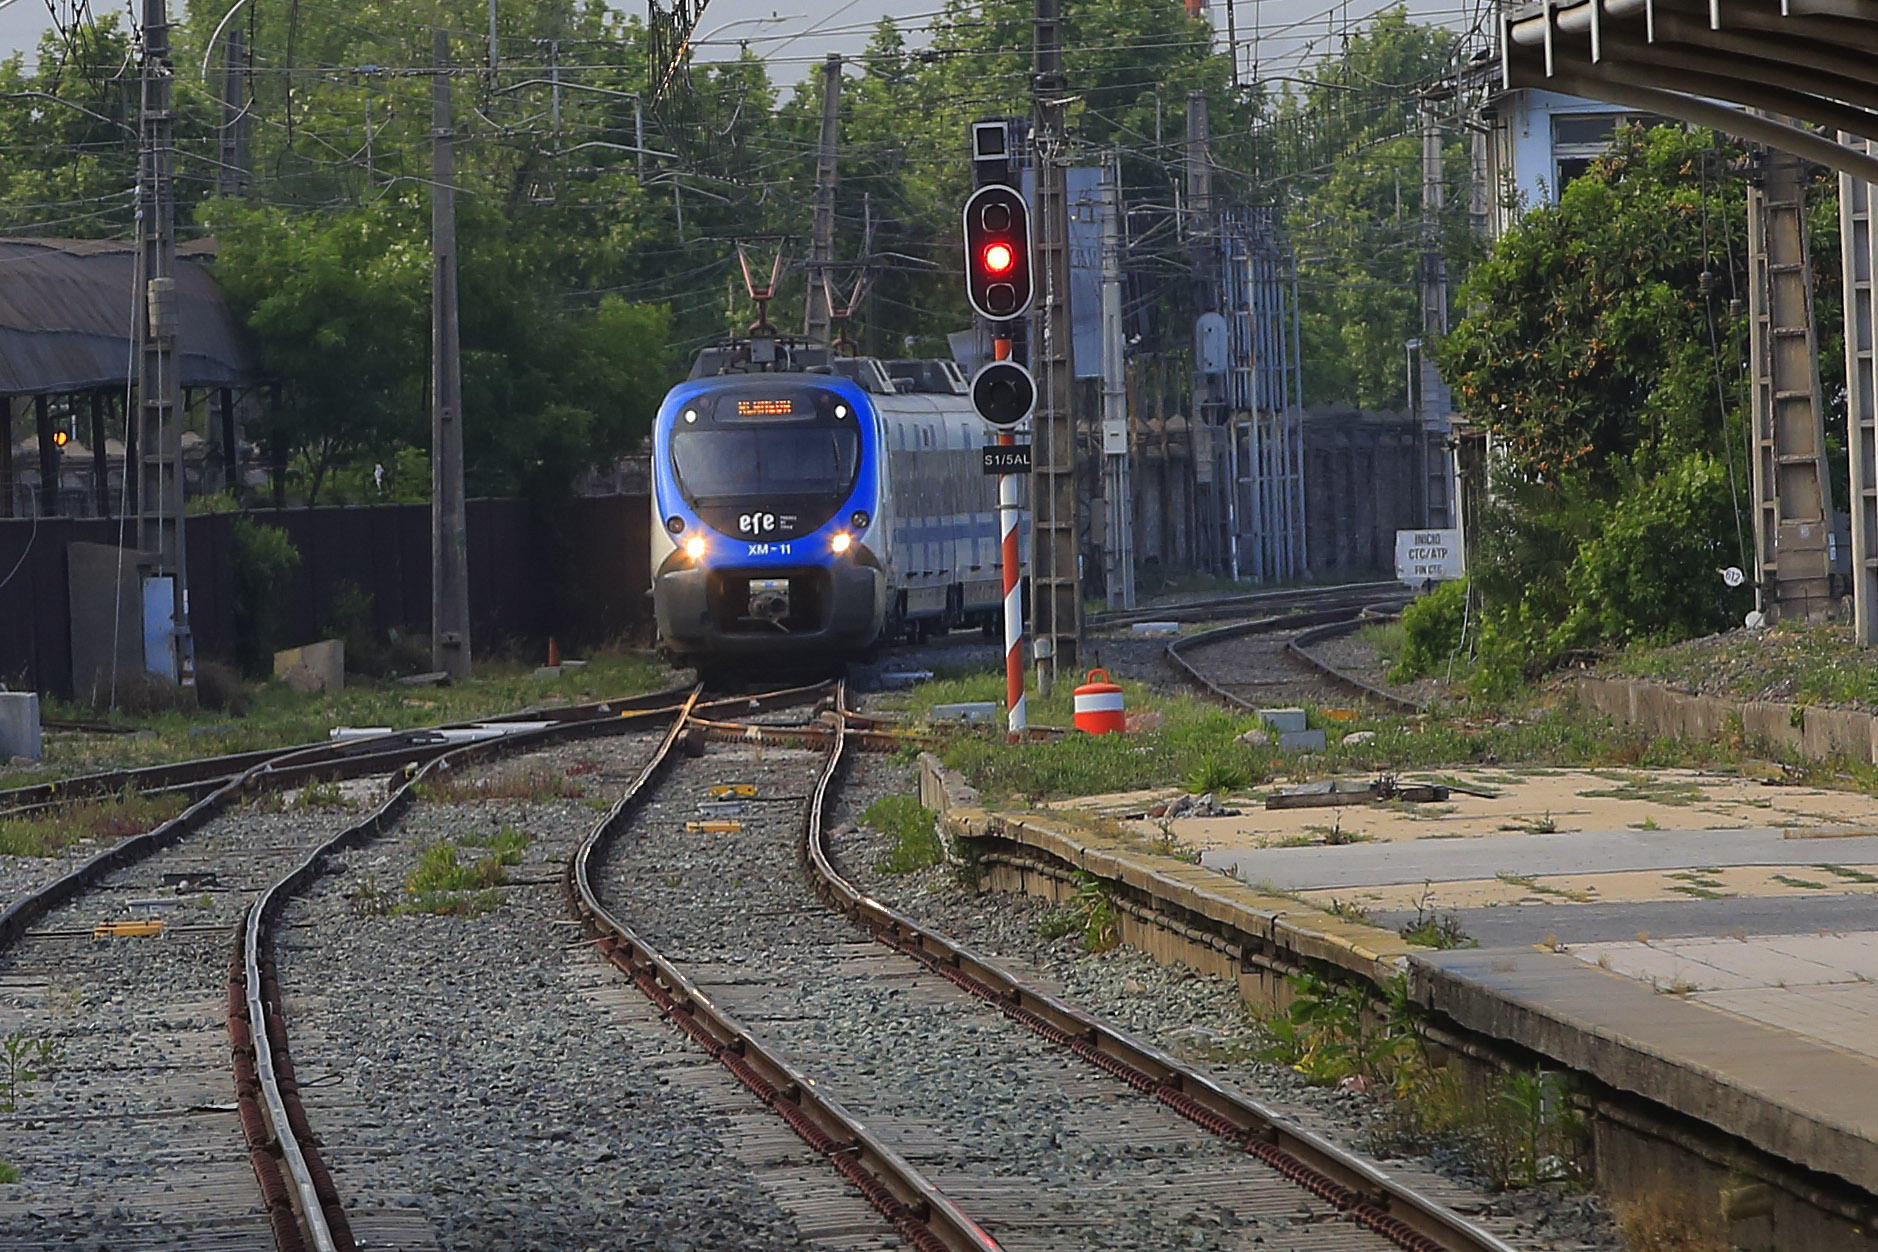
{"x": 1008, "y": 513}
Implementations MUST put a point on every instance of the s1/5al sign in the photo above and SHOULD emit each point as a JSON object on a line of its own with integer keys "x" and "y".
{"x": 1427, "y": 556}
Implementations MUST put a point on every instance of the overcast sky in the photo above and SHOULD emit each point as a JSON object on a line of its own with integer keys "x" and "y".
{"x": 795, "y": 34}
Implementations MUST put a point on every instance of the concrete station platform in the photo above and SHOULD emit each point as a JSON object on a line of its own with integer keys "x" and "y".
{"x": 1709, "y": 941}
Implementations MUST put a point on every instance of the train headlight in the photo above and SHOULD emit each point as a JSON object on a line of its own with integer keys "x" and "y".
{"x": 694, "y": 547}
{"x": 675, "y": 524}
{"x": 860, "y": 519}
{"x": 841, "y": 542}
{"x": 691, "y": 415}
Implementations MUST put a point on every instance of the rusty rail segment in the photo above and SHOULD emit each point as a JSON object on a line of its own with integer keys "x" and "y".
{"x": 1300, "y": 648}
{"x": 1363, "y": 1193}
{"x": 923, "y": 1215}
{"x": 204, "y": 775}
{"x": 1315, "y": 625}
{"x": 273, "y": 1119}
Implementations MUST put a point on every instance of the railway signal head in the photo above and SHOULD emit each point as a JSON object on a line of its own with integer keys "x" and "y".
{"x": 1004, "y": 393}
{"x": 997, "y": 252}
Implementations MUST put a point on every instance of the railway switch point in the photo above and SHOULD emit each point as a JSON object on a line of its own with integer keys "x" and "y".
{"x": 1099, "y": 706}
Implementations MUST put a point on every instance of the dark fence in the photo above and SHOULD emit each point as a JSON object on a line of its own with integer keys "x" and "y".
{"x": 578, "y": 573}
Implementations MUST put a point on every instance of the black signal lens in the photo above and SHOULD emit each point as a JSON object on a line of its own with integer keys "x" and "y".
{"x": 675, "y": 523}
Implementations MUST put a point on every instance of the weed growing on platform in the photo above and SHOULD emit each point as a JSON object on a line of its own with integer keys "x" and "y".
{"x": 1218, "y": 776}
{"x": 1435, "y": 930}
{"x": 112, "y": 817}
{"x": 911, "y": 829}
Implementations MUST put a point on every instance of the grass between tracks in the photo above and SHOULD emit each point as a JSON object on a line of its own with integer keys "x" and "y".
{"x": 277, "y": 716}
{"x": 100, "y": 820}
{"x": 1182, "y": 740}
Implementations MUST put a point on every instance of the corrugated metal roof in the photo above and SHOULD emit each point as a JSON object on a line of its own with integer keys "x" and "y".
{"x": 65, "y": 318}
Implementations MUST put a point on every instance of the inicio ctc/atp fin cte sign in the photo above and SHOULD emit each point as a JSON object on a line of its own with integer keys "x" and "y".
{"x": 1427, "y": 556}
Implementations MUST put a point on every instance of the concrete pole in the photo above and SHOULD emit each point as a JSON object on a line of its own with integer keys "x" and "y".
{"x": 449, "y": 548}
{"x": 1119, "y": 550}
{"x": 816, "y": 317}
{"x": 1858, "y": 247}
{"x": 1201, "y": 239}
{"x": 1056, "y": 580}
{"x": 160, "y": 522}
{"x": 1434, "y": 293}
{"x": 231, "y": 176}
{"x": 1793, "y": 494}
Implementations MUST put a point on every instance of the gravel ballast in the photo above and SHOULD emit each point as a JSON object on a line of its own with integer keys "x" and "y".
{"x": 489, "y": 1084}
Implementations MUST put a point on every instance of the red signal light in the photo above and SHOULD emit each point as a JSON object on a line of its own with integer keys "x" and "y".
{"x": 999, "y": 258}
{"x": 60, "y": 438}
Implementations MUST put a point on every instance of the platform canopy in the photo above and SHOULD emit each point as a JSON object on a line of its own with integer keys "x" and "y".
{"x": 65, "y": 318}
{"x": 1744, "y": 67}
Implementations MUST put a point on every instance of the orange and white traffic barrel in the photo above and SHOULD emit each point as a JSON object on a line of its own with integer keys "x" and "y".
{"x": 1099, "y": 705}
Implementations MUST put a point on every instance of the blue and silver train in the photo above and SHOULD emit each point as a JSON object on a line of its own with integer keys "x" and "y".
{"x": 808, "y": 509}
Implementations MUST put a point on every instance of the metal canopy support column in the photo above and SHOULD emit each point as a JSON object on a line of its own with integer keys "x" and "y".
{"x": 1858, "y": 246}
{"x": 1793, "y": 495}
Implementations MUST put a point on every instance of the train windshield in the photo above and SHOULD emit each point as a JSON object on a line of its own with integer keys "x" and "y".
{"x": 766, "y": 461}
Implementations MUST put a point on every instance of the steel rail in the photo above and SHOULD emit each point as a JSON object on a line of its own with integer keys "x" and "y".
{"x": 286, "y": 767}
{"x": 922, "y": 1214}
{"x": 1239, "y": 604}
{"x": 1300, "y": 648}
{"x": 206, "y": 771}
{"x": 1177, "y": 648}
{"x": 1365, "y": 1194}
{"x": 256, "y": 1020}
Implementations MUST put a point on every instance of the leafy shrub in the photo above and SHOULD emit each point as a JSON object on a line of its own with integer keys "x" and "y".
{"x": 1651, "y": 572}
{"x": 261, "y": 563}
{"x": 1432, "y": 632}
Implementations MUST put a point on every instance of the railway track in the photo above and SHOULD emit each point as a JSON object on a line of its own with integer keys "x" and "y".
{"x": 173, "y": 1113}
{"x": 971, "y": 1110}
{"x": 1272, "y": 660}
{"x": 1216, "y": 608}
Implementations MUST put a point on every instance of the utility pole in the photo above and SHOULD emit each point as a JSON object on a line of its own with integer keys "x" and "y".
{"x": 1202, "y": 242}
{"x": 231, "y": 176}
{"x": 1793, "y": 495}
{"x": 449, "y": 548}
{"x": 1858, "y": 247}
{"x": 1435, "y": 404}
{"x": 822, "y": 242}
{"x": 1056, "y": 580}
{"x": 159, "y": 419}
{"x": 1117, "y": 485}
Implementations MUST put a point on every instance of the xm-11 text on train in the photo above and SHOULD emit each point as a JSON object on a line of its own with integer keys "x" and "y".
{"x": 803, "y": 515}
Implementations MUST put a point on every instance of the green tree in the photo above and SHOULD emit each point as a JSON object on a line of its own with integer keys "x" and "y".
{"x": 1600, "y": 357}
{"x": 1348, "y": 152}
